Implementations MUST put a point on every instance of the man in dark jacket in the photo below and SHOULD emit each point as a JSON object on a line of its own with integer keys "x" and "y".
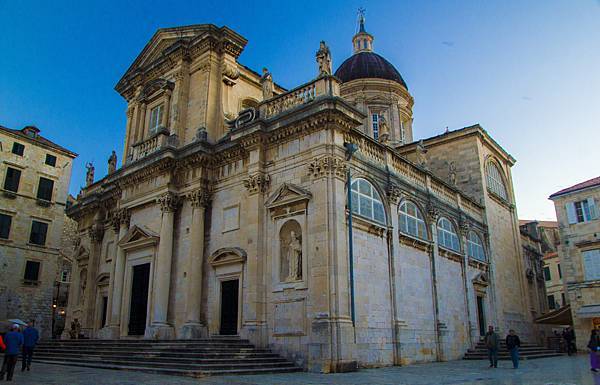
{"x": 492, "y": 343}
{"x": 569, "y": 337}
{"x": 30, "y": 339}
{"x": 13, "y": 341}
{"x": 513, "y": 343}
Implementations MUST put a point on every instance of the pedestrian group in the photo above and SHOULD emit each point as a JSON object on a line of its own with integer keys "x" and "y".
{"x": 16, "y": 342}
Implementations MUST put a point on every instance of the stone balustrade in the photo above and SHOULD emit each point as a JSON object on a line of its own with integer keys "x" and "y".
{"x": 154, "y": 143}
{"x": 306, "y": 93}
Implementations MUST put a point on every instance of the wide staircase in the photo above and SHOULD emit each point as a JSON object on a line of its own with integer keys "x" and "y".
{"x": 527, "y": 351}
{"x": 193, "y": 358}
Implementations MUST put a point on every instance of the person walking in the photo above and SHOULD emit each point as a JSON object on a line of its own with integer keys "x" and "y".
{"x": 569, "y": 337}
{"x": 30, "y": 339}
{"x": 491, "y": 343}
{"x": 13, "y": 340}
{"x": 594, "y": 346}
{"x": 513, "y": 343}
{"x": 2, "y": 346}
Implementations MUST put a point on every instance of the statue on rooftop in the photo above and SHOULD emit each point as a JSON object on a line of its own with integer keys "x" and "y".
{"x": 324, "y": 59}
{"x": 89, "y": 175}
{"x": 266, "y": 80}
{"x": 384, "y": 130}
{"x": 112, "y": 162}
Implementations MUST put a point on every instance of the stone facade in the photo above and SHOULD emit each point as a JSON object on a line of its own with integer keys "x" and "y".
{"x": 216, "y": 226}
{"x": 579, "y": 252}
{"x": 28, "y": 202}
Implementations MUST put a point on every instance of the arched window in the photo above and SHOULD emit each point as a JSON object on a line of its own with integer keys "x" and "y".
{"x": 366, "y": 201}
{"x": 447, "y": 235}
{"x": 495, "y": 183}
{"x": 411, "y": 220}
{"x": 475, "y": 246}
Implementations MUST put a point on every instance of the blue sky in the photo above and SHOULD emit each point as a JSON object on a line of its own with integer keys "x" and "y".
{"x": 527, "y": 71}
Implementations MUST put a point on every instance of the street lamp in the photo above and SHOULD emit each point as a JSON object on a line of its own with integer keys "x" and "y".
{"x": 351, "y": 148}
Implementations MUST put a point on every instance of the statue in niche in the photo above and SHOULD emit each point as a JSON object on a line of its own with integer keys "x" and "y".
{"x": 384, "y": 129}
{"x": 421, "y": 154}
{"x": 89, "y": 175}
{"x": 294, "y": 255}
{"x": 324, "y": 59}
{"x": 452, "y": 173}
{"x": 112, "y": 162}
{"x": 82, "y": 285}
{"x": 266, "y": 81}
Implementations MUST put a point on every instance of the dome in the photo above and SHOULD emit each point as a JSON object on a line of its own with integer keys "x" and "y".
{"x": 367, "y": 64}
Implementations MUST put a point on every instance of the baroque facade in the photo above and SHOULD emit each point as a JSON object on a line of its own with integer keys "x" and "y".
{"x": 579, "y": 252}
{"x": 230, "y": 214}
{"x": 35, "y": 174}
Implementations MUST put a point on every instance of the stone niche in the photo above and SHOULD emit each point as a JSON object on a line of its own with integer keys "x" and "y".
{"x": 288, "y": 237}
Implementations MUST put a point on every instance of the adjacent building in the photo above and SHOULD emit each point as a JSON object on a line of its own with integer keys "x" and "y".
{"x": 579, "y": 253}
{"x": 531, "y": 249}
{"x": 35, "y": 175}
{"x": 233, "y": 213}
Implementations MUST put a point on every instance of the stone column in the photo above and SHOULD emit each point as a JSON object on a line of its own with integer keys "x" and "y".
{"x": 433, "y": 215}
{"x": 464, "y": 231}
{"x": 194, "y": 326}
{"x": 394, "y": 196}
{"x": 167, "y": 108}
{"x": 160, "y": 329}
{"x": 120, "y": 224}
{"x": 95, "y": 233}
{"x": 142, "y": 123}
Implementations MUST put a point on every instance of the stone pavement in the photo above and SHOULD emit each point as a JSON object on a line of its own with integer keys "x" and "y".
{"x": 546, "y": 371}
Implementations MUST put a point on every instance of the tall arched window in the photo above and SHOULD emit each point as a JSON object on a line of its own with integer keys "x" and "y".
{"x": 366, "y": 201}
{"x": 475, "y": 246}
{"x": 411, "y": 220}
{"x": 495, "y": 183}
{"x": 447, "y": 235}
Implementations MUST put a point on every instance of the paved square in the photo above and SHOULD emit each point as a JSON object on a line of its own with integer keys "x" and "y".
{"x": 548, "y": 371}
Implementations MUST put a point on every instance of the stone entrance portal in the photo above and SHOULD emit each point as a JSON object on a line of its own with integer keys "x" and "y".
{"x": 139, "y": 300}
{"x": 480, "y": 316}
{"x": 229, "y": 307}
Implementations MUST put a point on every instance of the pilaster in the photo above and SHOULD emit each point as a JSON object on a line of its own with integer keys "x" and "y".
{"x": 160, "y": 328}
{"x": 195, "y": 326}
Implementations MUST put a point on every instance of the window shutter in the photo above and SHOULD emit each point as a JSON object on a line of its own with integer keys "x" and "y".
{"x": 593, "y": 209}
{"x": 571, "y": 213}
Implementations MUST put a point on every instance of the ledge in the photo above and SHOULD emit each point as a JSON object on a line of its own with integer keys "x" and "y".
{"x": 450, "y": 254}
{"x": 417, "y": 243}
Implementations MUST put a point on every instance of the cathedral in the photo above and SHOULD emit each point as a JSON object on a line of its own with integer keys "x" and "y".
{"x": 311, "y": 221}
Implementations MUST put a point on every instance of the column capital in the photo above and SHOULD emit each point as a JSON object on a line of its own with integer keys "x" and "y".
{"x": 199, "y": 198}
{"x": 169, "y": 202}
{"x": 394, "y": 193}
{"x": 328, "y": 165}
{"x": 464, "y": 225}
{"x": 120, "y": 217}
{"x": 96, "y": 232}
{"x": 432, "y": 212}
{"x": 258, "y": 182}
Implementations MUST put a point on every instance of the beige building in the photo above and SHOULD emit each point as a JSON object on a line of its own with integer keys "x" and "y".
{"x": 531, "y": 249}
{"x": 230, "y": 214}
{"x": 35, "y": 179}
{"x": 579, "y": 253}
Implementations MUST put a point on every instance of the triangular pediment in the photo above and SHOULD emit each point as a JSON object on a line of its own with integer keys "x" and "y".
{"x": 287, "y": 194}
{"x": 138, "y": 235}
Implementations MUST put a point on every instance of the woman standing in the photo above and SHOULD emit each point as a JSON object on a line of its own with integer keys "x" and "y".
{"x": 594, "y": 346}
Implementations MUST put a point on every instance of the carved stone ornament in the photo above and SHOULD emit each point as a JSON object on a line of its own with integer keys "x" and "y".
{"x": 432, "y": 212}
{"x": 421, "y": 154}
{"x": 168, "y": 202}
{"x": 120, "y": 217}
{"x": 394, "y": 193}
{"x": 327, "y": 165}
{"x": 464, "y": 224}
{"x": 257, "y": 183}
{"x": 230, "y": 73}
{"x": 245, "y": 116}
{"x": 96, "y": 232}
{"x": 199, "y": 198}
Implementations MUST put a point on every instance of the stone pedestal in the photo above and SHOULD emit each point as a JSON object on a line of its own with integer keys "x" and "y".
{"x": 109, "y": 333}
{"x": 192, "y": 331}
{"x": 159, "y": 331}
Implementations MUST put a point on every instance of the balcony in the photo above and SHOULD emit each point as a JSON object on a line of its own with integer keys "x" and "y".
{"x": 306, "y": 93}
{"x": 157, "y": 141}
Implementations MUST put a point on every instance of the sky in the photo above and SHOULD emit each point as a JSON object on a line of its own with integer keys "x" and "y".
{"x": 527, "y": 71}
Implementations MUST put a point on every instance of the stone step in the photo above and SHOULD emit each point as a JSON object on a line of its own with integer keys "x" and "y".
{"x": 189, "y": 358}
{"x": 182, "y": 365}
{"x": 175, "y": 354}
{"x": 151, "y": 358}
{"x": 177, "y": 372}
